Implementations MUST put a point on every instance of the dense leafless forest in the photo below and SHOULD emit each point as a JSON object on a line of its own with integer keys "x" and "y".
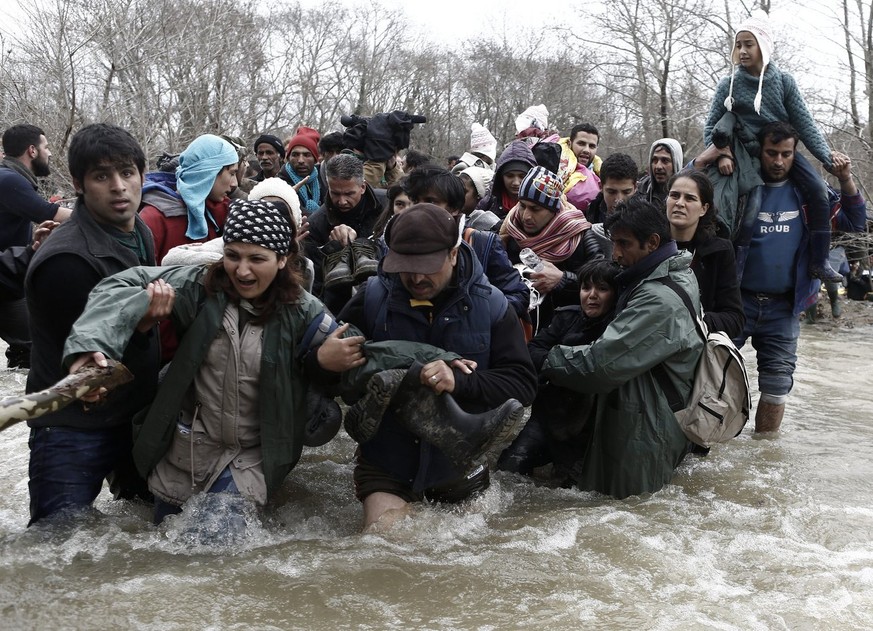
{"x": 169, "y": 70}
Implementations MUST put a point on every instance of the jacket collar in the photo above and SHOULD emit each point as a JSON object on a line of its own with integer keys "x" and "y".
{"x": 101, "y": 244}
{"x": 642, "y": 268}
{"x": 18, "y": 166}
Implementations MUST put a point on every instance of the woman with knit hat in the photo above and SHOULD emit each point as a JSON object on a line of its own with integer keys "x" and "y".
{"x": 230, "y": 415}
{"x": 755, "y": 94}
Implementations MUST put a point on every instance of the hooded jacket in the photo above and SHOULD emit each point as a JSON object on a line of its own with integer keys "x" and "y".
{"x": 646, "y": 185}
{"x": 517, "y": 150}
{"x": 635, "y": 442}
{"x": 165, "y": 213}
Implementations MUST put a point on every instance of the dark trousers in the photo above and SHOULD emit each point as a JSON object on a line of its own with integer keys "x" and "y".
{"x": 68, "y": 466}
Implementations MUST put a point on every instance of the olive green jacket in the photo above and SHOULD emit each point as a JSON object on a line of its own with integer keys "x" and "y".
{"x": 635, "y": 442}
{"x": 115, "y": 307}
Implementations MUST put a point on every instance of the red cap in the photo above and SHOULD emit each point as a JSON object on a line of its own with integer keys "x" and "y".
{"x": 304, "y": 137}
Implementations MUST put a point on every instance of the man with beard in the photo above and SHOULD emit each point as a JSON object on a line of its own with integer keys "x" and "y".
{"x": 773, "y": 264}
{"x": 665, "y": 158}
{"x": 27, "y": 158}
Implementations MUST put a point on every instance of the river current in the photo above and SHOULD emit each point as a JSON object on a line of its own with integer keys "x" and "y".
{"x": 764, "y": 533}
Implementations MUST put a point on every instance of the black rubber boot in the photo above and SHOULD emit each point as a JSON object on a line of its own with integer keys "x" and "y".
{"x": 833, "y": 290}
{"x": 363, "y": 418}
{"x": 819, "y": 265}
{"x": 463, "y": 437}
{"x": 324, "y": 418}
{"x": 528, "y": 451}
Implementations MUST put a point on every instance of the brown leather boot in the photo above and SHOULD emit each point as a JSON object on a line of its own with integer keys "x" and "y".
{"x": 768, "y": 417}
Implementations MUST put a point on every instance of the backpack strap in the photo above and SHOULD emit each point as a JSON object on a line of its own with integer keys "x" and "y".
{"x": 675, "y": 401}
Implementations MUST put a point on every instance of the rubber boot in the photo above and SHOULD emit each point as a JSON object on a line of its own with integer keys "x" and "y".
{"x": 768, "y": 417}
{"x": 337, "y": 266}
{"x": 364, "y": 259}
{"x": 833, "y": 290}
{"x": 324, "y": 418}
{"x": 820, "y": 265}
{"x": 528, "y": 451}
{"x": 362, "y": 419}
{"x": 811, "y": 313}
{"x": 463, "y": 437}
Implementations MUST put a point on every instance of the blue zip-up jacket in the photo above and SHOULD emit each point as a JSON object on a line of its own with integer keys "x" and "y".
{"x": 848, "y": 214}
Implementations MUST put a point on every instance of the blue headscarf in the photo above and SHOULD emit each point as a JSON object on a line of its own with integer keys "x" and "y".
{"x": 199, "y": 165}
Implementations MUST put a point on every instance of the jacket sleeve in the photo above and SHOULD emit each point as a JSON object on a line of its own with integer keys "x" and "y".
{"x": 20, "y": 198}
{"x": 726, "y": 313}
{"x": 13, "y": 266}
{"x": 716, "y": 110}
{"x": 801, "y": 119}
{"x": 567, "y": 290}
{"x": 116, "y": 305}
{"x": 510, "y": 374}
{"x": 848, "y": 212}
{"x": 653, "y": 326}
{"x": 506, "y": 278}
{"x": 548, "y": 337}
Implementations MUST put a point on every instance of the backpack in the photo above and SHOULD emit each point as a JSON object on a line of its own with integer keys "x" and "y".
{"x": 720, "y": 402}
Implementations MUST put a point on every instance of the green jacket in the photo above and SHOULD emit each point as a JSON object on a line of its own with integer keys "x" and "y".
{"x": 117, "y": 304}
{"x": 635, "y": 442}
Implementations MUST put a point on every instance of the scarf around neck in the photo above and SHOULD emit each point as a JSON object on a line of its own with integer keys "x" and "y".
{"x": 16, "y": 165}
{"x": 310, "y": 192}
{"x": 558, "y": 240}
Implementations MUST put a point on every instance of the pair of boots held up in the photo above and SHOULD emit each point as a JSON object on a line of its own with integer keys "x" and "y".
{"x": 768, "y": 417}
{"x": 349, "y": 264}
{"x": 465, "y": 438}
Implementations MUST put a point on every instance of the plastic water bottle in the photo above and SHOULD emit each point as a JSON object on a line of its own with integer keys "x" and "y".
{"x": 530, "y": 259}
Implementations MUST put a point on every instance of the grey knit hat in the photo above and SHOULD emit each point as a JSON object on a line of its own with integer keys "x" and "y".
{"x": 259, "y": 223}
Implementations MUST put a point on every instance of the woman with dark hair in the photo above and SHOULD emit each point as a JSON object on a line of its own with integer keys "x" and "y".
{"x": 555, "y": 431}
{"x": 229, "y": 415}
{"x": 692, "y": 215}
{"x": 396, "y": 201}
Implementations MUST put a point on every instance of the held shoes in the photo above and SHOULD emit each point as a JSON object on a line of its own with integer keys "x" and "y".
{"x": 349, "y": 264}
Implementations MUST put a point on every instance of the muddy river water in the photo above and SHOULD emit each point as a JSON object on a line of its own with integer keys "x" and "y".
{"x": 772, "y": 533}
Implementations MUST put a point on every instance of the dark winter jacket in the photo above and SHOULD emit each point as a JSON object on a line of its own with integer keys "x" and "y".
{"x": 471, "y": 318}
{"x": 78, "y": 255}
{"x": 715, "y": 267}
{"x": 20, "y": 204}
{"x": 361, "y": 219}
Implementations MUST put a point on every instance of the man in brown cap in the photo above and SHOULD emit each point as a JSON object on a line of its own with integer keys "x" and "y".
{"x": 436, "y": 421}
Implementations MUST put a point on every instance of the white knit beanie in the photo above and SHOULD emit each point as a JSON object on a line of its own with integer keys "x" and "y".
{"x": 482, "y": 141}
{"x": 760, "y": 28}
{"x": 534, "y": 116}
{"x": 481, "y": 178}
{"x": 277, "y": 187}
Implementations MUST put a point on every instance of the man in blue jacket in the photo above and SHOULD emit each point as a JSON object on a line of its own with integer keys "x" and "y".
{"x": 773, "y": 265}
{"x": 431, "y": 289}
{"x": 21, "y": 206}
